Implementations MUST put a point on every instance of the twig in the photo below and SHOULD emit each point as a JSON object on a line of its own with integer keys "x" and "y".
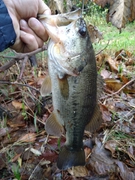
{"x": 103, "y": 48}
{"x": 19, "y": 84}
{"x": 119, "y": 89}
{"x": 23, "y": 67}
{"x": 20, "y": 56}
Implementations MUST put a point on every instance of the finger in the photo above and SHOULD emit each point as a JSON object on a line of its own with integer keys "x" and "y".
{"x": 38, "y": 28}
{"x": 43, "y": 8}
{"x": 24, "y": 27}
{"x": 30, "y": 43}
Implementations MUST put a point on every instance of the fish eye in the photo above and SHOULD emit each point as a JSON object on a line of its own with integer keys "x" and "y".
{"x": 82, "y": 31}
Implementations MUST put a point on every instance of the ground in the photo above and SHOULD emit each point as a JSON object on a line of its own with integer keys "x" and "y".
{"x": 27, "y": 152}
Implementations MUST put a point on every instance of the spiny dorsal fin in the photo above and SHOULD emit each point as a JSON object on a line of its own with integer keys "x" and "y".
{"x": 95, "y": 121}
{"x": 64, "y": 87}
{"x": 46, "y": 86}
{"x": 52, "y": 126}
{"x": 100, "y": 86}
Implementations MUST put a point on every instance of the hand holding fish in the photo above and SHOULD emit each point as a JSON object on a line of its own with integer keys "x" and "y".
{"x": 30, "y": 32}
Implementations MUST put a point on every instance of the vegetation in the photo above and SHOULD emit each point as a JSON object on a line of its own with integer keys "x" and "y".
{"x": 27, "y": 152}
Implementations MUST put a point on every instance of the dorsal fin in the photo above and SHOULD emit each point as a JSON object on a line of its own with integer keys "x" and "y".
{"x": 95, "y": 121}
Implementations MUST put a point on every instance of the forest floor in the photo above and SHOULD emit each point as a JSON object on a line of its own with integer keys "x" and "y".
{"x": 28, "y": 153}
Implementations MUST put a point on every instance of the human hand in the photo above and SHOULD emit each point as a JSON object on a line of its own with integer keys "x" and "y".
{"x": 31, "y": 34}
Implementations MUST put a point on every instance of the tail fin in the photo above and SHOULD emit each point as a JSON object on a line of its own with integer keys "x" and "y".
{"x": 68, "y": 158}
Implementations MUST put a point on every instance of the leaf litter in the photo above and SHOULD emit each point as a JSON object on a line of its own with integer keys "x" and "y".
{"x": 26, "y": 147}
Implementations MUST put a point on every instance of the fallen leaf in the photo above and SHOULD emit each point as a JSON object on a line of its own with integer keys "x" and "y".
{"x": 113, "y": 84}
{"x": 30, "y": 137}
{"x": 113, "y": 64}
{"x": 120, "y": 12}
{"x": 35, "y": 151}
{"x": 49, "y": 155}
{"x": 125, "y": 172}
{"x": 111, "y": 145}
{"x": 94, "y": 33}
{"x": 101, "y": 160}
{"x": 106, "y": 115}
{"x": 105, "y": 74}
{"x": 15, "y": 158}
{"x": 79, "y": 171}
{"x": 19, "y": 105}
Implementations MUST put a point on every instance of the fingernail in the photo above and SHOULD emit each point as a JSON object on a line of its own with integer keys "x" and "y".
{"x": 33, "y": 23}
{"x": 23, "y": 24}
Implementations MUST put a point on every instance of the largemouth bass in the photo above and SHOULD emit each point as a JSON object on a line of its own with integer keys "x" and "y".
{"x": 73, "y": 79}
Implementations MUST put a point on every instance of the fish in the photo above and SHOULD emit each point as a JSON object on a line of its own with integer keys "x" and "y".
{"x": 72, "y": 80}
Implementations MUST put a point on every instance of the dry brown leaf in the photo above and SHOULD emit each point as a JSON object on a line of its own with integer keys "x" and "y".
{"x": 120, "y": 12}
{"x": 78, "y": 171}
{"x": 18, "y": 105}
{"x": 4, "y": 131}
{"x": 15, "y": 158}
{"x": 122, "y": 53}
{"x": 113, "y": 84}
{"x": 17, "y": 121}
{"x": 125, "y": 172}
{"x": 101, "y": 160}
{"x": 30, "y": 137}
{"x": 113, "y": 64}
{"x": 106, "y": 115}
{"x": 87, "y": 152}
{"x": 123, "y": 78}
{"x": 111, "y": 145}
{"x": 94, "y": 33}
{"x": 105, "y": 74}
{"x": 100, "y": 59}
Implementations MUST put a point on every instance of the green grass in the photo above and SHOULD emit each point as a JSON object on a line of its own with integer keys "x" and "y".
{"x": 124, "y": 40}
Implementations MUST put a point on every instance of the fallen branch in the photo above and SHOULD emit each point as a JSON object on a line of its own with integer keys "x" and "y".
{"x": 103, "y": 48}
{"x": 109, "y": 95}
{"x": 20, "y": 56}
{"x": 18, "y": 84}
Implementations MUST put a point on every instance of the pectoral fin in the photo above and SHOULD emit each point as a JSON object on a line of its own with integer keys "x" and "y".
{"x": 95, "y": 121}
{"x": 46, "y": 86}
{"x": 64, "y": 87}
{"x": 52, "y": 126}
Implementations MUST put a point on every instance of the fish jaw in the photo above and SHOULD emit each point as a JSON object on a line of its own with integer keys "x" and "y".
{"x": 61, "y": 30}
{"x": 53, "y": 22}
{"x": 61, "y": 63}
{"x": 60, "y": 19}
{"x": 69, "y": 157}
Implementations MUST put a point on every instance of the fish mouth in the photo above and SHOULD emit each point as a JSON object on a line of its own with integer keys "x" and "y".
{"x": 64, "y": 65}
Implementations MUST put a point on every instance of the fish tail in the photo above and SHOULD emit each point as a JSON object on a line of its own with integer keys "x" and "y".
{"x": 68, "y": 158}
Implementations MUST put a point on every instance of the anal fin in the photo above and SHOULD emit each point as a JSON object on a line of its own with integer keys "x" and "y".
{"x": 95, "y": 121}
{"x": 52, "y": 126}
